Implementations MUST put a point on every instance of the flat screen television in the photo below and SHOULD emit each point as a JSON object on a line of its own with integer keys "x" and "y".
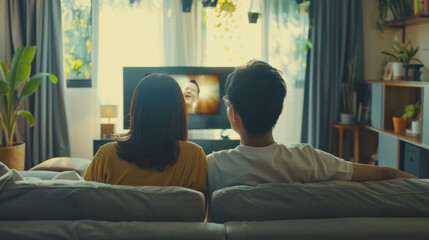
{"x": 207, "y": 110}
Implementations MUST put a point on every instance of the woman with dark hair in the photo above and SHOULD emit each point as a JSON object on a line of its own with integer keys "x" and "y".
{"x": 155, "y": 151}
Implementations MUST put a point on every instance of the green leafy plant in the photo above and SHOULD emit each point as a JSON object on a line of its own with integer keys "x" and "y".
{"x": 403, "y": 53}
{"x": 410, "y": 111}
{"x": 400, "y": 10}
{"x": 348, "y": 87}
{"x": 15, "y": 85}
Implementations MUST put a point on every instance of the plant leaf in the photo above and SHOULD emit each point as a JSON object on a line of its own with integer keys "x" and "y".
{"x": 28, "y": 116}
{"x": 30, "y": 87}
{"x": 4, "y": 87}
{"x": 4, "y": 69}
{"x": 23, "y": 68}
{"x": 52, "y": 77}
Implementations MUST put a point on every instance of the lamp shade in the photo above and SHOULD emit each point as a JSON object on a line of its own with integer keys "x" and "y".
{"x": 109, "y": 111}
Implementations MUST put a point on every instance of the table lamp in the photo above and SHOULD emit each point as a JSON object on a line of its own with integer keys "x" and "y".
{"x": 108, "y": 111}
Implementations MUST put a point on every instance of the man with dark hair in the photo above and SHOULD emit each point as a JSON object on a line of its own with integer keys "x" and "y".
{"x": 254, "y": 99}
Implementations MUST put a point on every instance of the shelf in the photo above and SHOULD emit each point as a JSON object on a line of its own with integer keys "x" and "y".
{"x": 409, "y": 22}
{"x": 401, "y": 135}
{"x": 396, "y": 83}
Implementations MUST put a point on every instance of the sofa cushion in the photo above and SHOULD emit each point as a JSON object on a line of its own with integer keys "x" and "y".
{"x": 90, "y": 229}
{"x": 279, "y": 201}
{"x": 60, "y": 164}
{"x": 72, "y": 200}
{"x": 331, "y": 228}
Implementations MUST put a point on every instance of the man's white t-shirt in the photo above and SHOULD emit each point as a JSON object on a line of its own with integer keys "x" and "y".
{"x": 275, "y": 163}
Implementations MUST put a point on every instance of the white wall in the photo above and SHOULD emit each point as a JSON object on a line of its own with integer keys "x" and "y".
{"x": 375, "y": 42}
{"x": 82, "y": 109}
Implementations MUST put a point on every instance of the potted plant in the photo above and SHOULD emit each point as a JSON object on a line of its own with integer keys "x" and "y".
{"x": 348, "y": 90}
{"x": 401, "y": 57}
{"x": 392, "y": 10}
{"x": 255, "y": 11}
{"x": 412, "y": 112}
{"x": 15, "y": 85}
{"x": 209, "y": 3}
{"x": 402, "y": 116}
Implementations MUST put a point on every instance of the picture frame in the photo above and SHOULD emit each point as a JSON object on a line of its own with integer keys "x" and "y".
{"x": 388, "y": 72}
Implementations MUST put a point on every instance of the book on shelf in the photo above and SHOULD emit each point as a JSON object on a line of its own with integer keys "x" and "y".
{"x": 424, "y": 10}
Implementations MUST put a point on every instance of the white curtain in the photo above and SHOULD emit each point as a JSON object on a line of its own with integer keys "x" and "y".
{"x": 285, "y": 33}
{"x": 182, "y": 35}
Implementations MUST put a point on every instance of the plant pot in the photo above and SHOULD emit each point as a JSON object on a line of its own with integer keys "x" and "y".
{"x": 13, "y": 157}
{"x": 186, "y": 5}
{"x": 253, "y": 17}
{"x": 398, "y": 71}
{"x": 415, "y": 127}
{"x": 209, "y": 3}
{"x": 399, "y": 124}
{"x": 346, "y": 118}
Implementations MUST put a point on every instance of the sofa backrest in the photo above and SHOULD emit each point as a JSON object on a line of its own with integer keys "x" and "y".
{"x": 73, "y": 200}
{"x": 281, "y": 201}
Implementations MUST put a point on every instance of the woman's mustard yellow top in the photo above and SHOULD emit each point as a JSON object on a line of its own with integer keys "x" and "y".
{"x": 189, "y": 171}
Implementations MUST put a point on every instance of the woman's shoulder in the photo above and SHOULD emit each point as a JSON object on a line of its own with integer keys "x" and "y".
{"x": 108, "y": 147}
{"x": 189, "y": 147}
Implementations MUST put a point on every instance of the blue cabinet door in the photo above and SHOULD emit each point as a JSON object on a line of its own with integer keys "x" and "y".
{"x": 425, "y": 122}
{"x": 387, "y": 150}
{"x": 377, "y": 105}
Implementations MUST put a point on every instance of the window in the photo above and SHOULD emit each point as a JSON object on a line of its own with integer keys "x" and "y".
{"x": 77, "y": 38}
{"x": 229, "y": 37}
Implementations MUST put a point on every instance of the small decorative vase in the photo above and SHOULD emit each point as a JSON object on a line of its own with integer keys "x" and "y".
{"x": 399, "y": 124}
{"x": 346, "y": 118}
{"x": 398, "y": 71}
{"x": 415, "y": 127}
{"x": 13, "y": 157}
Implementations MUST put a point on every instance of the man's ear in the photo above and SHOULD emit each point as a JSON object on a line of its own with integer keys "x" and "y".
{"x": 235, "y": 115}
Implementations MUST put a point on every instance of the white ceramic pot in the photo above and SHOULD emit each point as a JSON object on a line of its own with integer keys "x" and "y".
{"x": 346, "y": 118}
{"x": 398, "y": 71}
{"x": 415, "y": 127}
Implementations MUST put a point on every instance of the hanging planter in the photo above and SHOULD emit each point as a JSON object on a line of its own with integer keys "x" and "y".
{"x": 209, "y": 3}
{"x": 255, "y": 10}
{"x": 186, "y": 5}
{"x": 253, "y": 17}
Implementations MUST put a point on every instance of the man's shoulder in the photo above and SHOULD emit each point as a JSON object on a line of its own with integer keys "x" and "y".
{"x": 222, "y": 155}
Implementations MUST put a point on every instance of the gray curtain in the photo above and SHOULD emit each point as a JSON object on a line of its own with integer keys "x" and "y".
{"x": 335, "y": 30}
{"x": 38, "y": 23}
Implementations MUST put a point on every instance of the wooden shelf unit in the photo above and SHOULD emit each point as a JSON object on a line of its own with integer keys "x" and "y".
{"x": 401, "y": 135}
{"x": 396, "y": 83}
{"x": 408, "y": 22}
{"x": 403, "y": 24}
{"x": 386, "y": 98}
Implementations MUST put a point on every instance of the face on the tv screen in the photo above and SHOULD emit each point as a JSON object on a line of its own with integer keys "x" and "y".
{"x": 201, "y": 92}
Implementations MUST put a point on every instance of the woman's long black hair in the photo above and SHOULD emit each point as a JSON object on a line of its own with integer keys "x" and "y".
{"x": 157, "y": 120}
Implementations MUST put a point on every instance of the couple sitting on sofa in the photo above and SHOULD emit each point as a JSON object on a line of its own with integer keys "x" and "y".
{"x": 155, "y": 151}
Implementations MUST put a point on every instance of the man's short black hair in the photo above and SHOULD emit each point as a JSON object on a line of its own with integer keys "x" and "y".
{"x": 257, "y": 92}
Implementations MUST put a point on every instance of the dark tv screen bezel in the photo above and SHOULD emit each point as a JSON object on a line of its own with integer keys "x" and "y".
{"x": 133, "y": 75}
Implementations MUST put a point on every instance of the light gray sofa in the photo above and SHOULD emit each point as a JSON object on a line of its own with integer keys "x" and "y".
{"x": 61, "y": 209}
